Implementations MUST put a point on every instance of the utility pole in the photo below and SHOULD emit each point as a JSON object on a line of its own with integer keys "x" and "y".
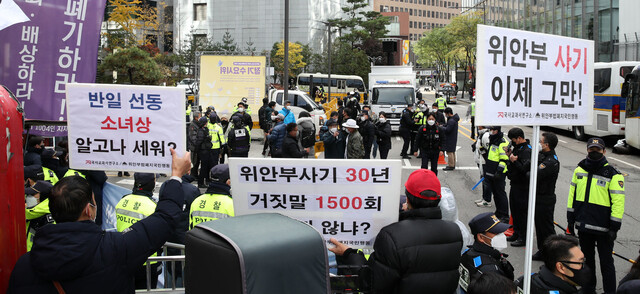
{"x": 285, "y": 78}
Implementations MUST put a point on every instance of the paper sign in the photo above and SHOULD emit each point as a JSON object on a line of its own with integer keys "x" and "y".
{"x": 123, "y": 127}
{"x": 350, "y": 200}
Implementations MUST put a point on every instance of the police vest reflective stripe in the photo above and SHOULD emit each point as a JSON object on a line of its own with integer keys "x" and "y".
{"x": 442, "y": 103}
{"x": 49, "y": 176}
{"x": 247, "y": 110}
{"x": 217, "y": 135}
{"x": 473, "y": 109}
{"x": 73, "y": 172}
{"x": 497, "y": 158}
{"x": 209, "y": 207}
{"x": 131, "y": 209}
{"x": 37, "y": 217}
{"x": 189, "y": 111}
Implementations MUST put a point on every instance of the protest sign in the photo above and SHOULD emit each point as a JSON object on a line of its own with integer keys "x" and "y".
{"x": 350, "y": 200}
{"x": 123, "y": 127}
{"x": 526, "y": 78}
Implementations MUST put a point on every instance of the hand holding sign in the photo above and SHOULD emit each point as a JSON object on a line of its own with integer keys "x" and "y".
{"x": 180, "y": 166}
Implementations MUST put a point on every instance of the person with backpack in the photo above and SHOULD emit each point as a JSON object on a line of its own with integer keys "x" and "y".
{"x": 238, "y": 138}
{"x": 429, "y": 141}
{"x": 203, "y": 148}
{"x": 307, "y": 131}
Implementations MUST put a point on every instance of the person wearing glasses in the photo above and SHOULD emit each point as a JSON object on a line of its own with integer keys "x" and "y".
{"x": 564, "y": 267}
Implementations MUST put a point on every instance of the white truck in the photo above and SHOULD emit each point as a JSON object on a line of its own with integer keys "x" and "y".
{"x": 391, "y": 89}
{"x": 300, "y": 102}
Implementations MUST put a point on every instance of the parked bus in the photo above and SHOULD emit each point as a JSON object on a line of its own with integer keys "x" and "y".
{"x": 631, "y": 90}
{"x": 341, "y": 85}
{"x": 609, "y": 107}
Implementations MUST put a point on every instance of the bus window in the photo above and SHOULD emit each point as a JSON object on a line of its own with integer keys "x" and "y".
{"x": 602, "y": 79}
{"x": 341, "y": 84}
{"x": 624, "y": 70}
{"x": 279, "y": 99}
{"x": 303, "y": 81}
{"x": 357, "y": 84}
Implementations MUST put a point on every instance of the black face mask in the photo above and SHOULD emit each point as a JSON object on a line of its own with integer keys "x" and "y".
{"x": 595, "y": 155}
{"x": 581, "y": 276}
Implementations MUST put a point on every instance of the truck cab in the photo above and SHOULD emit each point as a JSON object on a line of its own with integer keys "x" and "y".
{"x": 300, "y": 101}
{"x": 391, "y": 89}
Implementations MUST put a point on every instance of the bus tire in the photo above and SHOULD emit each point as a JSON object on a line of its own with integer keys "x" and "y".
{"x": 578, "y": 133}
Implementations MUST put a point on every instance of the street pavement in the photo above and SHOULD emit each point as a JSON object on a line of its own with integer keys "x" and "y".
{"x": 570, "y": 151}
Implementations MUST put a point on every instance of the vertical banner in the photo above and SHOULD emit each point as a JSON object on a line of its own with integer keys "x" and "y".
{"x": 124, "y": 128}
{"x": 45, "y": 45}
{"x": 405, "y": 52}
{"x": 526, "y": 78}
{"x": 224, "y": 80}
{"x": 350, "y": 200}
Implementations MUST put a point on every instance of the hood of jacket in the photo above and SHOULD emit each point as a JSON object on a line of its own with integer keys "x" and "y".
{"x": 306, "y": 122}
{"x": 455, "y": 117}
{"x": 65, "y": 251}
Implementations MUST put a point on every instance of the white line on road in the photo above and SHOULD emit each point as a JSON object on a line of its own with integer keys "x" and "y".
{"x": 407, "y": 163}
{"x": 562, "y": 141}
{"x": 629, "y": 164}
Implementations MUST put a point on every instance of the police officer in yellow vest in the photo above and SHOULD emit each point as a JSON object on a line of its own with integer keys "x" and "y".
{"x": 135, "y": 207}
{"x": 50, "y": 166}
{"x": 471, "y": 111}
{"x": 247, "y": 109}
{"x": 39, "y": 215}
{"x": 218, "y": 140}
{"x": 73, "y": 172}
{"x": 216, "y": 202}
{"x": 495, "y": 170}
{"x": 595, "y": 207}
{"x": 442, "y": 102}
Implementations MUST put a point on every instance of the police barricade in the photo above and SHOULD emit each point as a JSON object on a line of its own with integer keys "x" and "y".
{"x": 258, "y": 253}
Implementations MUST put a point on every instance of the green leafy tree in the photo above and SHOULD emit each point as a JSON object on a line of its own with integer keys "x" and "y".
{"x": 362, "y": 28}
{"x": 463, "y": 30}
{"x": 434, "y": 49}
{"x": 228, "y": 44}
{"x": 133, "y": 65}
{"x": 296, "y": 59}
{"x": 188, "y": 53}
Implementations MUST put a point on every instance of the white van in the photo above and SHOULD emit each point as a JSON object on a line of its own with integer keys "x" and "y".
{"x": 300, "y": 101}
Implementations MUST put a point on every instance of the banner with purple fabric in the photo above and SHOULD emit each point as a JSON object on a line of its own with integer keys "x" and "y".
{"x": 45, "y": 45}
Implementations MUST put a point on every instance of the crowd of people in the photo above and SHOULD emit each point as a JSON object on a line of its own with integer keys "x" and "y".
{"x": 420, "y": 251}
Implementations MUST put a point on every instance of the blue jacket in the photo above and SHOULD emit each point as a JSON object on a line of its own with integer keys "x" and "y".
{"x": 277, "y": 135}
{"x": 85, "y": 259}
{"x": 289, "y": 117}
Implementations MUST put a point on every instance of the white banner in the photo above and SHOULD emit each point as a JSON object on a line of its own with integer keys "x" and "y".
{"x": 124, "y": 128}
{"x": 350, "y": 200}
{"x": 526, "y": 78}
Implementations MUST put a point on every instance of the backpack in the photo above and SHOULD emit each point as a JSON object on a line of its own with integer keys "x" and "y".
{"x": 307, "y": 138}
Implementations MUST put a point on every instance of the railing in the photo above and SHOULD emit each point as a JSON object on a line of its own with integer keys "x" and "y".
{"x": 172, "y": 259}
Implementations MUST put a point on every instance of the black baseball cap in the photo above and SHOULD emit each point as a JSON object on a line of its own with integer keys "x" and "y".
{"x": 595, "y": 142}
{"x": 33, "y": 172}
{"x": 220, "y": 173}
{"x": 42, "y": 187}
{"x": 143, "y": 179}
{"x": 487, "y": 222}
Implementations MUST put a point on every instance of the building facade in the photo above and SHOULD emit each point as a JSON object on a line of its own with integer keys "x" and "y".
{"x": 260, "y": 23}
{"x": 596, "y": 20}
{"x": 423, "y": 14}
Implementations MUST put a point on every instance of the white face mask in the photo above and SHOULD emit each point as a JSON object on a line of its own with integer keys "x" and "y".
{"x": 287, "y": 107}
{"x": 540, "y": 147}
{"x": 431, "y": 122}
{"x": 241, "y": 109}
{"x": 499, "y": 242}
{"x": 333, "y": 130}
{"x": 273, "y": 117}
{"x": 362, "y": 118}
{"x": 382, "y": 120}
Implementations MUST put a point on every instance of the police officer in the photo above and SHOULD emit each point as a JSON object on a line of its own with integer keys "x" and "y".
{"x": 47, "y": 157}
{"x": 518, "y": 167}
{"x": 484, "y": 255}
{"x": 217, "y": 138}
{"x": 595, "y": 207}
{"x": 244, "y": 105}
{"x": 203, "y": 146}
{"x": 39, "y": 215}
{"x": 442, "y": 102}
{"x": 495, "y": 169}
{"x": 406, "y": 125}
{"x": 548, "y": 169}
{"x": 216, "y": 202}
{"x": 429, "y": 140}
{"x": 239, "y": 138}
{"x": 135, "y": 207}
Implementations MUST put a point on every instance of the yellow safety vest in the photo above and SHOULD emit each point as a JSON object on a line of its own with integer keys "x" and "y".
{"x": 596, "y": 202}
{"x": 217, "y": 135}
{"x": 131, "y": 209}
{"x": 247, "y": 110}
{"x": 73, "y": 172}
{"x": 49, "y": 176}
{"x": 497, "y": 159}
{"x": 40, "y": 210}
{"x": 442, "y": 102}
{"x": 473, "y": 109}
{"x": 420, "y": 117}
{"x": 209, "y": 207}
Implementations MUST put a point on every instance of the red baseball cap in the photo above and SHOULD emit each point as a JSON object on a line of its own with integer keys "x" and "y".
{"x": 422, "y": 180}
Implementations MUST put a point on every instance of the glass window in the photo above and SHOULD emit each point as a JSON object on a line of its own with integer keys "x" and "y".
{"x": 200, "y": 11}
{"x": 393, "y": 96}
{"x": 304, "y": 81}
{"x": 279, "y": 99}
{"x": 602, "y": 79}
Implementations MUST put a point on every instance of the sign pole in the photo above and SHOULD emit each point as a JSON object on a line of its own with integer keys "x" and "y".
{"x": 532, "y": 208}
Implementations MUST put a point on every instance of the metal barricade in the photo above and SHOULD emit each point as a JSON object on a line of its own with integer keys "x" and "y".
{"x": 166, "y": 259}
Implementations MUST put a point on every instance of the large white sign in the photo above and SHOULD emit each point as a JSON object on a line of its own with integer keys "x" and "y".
{"x": 350, "y": 200}
{"x": 124, "y": 128}
{"x": 526, "y": 78}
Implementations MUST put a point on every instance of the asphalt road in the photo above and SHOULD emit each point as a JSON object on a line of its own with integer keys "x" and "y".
{"x": 570, "y": 151}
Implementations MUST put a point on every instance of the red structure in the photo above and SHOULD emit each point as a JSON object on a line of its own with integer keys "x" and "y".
{"x": 12, "y": 220}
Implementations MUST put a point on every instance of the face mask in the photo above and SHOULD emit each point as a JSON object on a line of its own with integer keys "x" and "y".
{"x": 540, "y": 147}
{"x": 287, "y": 107}
{"x": 273, "y": 117}
{"x": 382, "y": 120}
{"x": 240, "y": 110}
{"x": 595, "y": 155}
{"x": 431, "y": 122}
{"x": 333, "y": 130}
{"x": 362, "y": 118}
{"x": 581, "y": 276}
{"x": 499, "y": 242}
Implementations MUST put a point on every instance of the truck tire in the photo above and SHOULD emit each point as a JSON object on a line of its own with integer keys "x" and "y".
{"x": 578, "y": 133}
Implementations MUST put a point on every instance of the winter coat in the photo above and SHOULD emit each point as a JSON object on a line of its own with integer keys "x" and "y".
{"x": 383, "y": 134}
{"x": 277, "y": 135}
{"x": 333, "y": 146}
{"x": 203, "y": 138}
{"x": 192, "y": 132}
{"x": 419, "y": 252}
{"x": 191, "y": 192}
{"x": 246, "y": 119}
{"x": 406, "y": 121}
{"x": 289, "y": 116}
{"x": 519, "y": 170}
{"x": 548, "y": 170}
{"x": 32, "y": 157}
{"x": 86, "y": 259}
{"x": 355, "y": 148}
{"x": 368, "y": 132}
{"x": 240, "y": 141}
{"x": 451, "y": 134}
{"x": 545, "y": 282}
{"x": 306, "y": 123}
{"x": 291, "y": 148}
{"x": 429, "y": 139}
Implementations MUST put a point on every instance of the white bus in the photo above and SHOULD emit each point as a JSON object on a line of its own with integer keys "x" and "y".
{"x": 341, "y": 85}
{"x": 632, "y": 89}
{"x": 608, "y": 106}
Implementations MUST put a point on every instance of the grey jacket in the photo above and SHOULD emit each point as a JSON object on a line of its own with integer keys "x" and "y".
{"x": 355, "y": 147}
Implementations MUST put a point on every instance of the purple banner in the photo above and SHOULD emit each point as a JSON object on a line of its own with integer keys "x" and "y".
{"x": 46, "y": 44}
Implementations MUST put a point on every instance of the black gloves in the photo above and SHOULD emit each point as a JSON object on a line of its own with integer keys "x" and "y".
{"x": 571, "y": 229}
{"x": 612, "y": 235}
